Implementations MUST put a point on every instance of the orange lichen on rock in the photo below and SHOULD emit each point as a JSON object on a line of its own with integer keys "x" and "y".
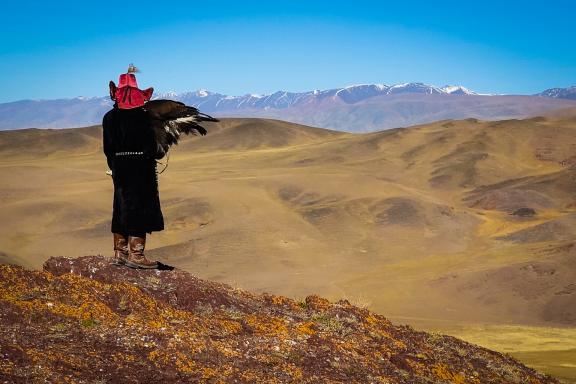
{"x": 83, "y": 320}
{"x": 442, "y": 372}
{"x": 306, "y": 328}
{"x": 317, "y": 303}
{"x": 266, "y": 324}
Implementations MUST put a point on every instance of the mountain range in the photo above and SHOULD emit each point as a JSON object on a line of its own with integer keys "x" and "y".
{"x": 560, "y": 93}
{"x": 355, "y": 108}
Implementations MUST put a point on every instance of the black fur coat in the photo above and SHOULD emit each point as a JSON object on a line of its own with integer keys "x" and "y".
{"x": 136, "y": 206}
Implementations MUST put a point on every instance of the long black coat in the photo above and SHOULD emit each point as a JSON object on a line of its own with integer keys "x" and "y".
{"x": 136, "y": 206}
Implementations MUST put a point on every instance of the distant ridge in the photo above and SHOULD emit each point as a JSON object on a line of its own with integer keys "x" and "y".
{"x": 283, "y": 99}
{"x": 354, "y": 108}
{"x": 560, "y": 93}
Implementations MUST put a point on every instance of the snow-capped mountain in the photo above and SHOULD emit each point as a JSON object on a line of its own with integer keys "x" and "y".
{"x": 457, "y": 90}
{"x": 355, "y": 108}
{"x": 560, "y": 93}
{"x": 213, "y": 102}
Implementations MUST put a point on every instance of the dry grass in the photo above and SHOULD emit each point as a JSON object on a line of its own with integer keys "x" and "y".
{"x": 547, "y": 349}
{"x": 380, "y": 218}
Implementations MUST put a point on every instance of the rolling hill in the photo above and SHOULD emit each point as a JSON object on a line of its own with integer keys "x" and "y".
{"x": 451, "y": 223}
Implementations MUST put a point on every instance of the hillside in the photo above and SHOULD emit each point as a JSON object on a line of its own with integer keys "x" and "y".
{"x": 83, "y": 320}
{"x": 444, "y": 226}
{"x": 426, "y": 209}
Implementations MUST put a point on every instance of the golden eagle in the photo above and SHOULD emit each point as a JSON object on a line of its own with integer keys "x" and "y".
{"x": 170, "y": 119}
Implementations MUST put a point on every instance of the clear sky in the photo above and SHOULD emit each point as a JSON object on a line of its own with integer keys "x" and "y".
{"x": 58, "y": 49}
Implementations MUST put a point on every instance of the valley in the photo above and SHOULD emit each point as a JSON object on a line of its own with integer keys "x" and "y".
{"x": 461, "y": 226}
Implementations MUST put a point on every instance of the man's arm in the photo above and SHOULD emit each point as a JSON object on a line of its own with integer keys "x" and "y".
{"x": 107, "y": 142}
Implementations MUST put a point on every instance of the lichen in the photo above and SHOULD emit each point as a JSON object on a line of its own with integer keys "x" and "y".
{"x": 121, "y": 324}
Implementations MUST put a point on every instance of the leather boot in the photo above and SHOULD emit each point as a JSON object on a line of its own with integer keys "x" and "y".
{"x": 136, "y": 258}
{"x": 120, "y": 249}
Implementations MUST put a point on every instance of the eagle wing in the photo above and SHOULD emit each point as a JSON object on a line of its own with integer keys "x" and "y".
{"x": 170, "y": 119}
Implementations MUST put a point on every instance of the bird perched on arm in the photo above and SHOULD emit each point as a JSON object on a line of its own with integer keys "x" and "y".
{"x": 170, "y": 119}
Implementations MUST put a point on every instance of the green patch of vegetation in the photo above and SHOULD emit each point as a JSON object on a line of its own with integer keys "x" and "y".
{"x": 89, "y": 322}
{"x": 59, "y": 327}
{"x": 327, "y": 323}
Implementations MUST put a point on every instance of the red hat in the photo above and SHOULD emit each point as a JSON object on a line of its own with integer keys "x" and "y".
{"x": 128, "y": 95}
{"x": 127, "y": 80}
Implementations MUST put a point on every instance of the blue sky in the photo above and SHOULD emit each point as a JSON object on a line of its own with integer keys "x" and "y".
{"x": 67, "y": 49}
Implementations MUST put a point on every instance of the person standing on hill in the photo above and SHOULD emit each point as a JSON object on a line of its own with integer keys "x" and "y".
{"x": 129, "y": 144}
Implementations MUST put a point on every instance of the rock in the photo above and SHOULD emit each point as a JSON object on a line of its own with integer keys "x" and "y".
{"x": 84, "y": 320}
{"x": 317, "y": 303}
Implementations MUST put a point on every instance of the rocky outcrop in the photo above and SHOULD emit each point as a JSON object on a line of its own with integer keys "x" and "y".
{"x": 85, "y": 321}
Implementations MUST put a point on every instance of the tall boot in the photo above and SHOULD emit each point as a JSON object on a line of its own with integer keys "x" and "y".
{"x": 120, "y": 249}
{"x": 136, "y": 258}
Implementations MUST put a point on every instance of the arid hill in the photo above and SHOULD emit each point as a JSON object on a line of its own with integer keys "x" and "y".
{"x": 85, "y": 321}
{"x": 275, "y": 206}
{"x": 444, "y": 226}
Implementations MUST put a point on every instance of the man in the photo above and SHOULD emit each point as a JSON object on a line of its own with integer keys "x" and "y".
{"x": 130, "y": 147}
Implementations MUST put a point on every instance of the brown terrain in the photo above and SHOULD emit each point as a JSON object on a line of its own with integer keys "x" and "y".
{"x": 85, "y": 321}
{"x": 464, "y": 227}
